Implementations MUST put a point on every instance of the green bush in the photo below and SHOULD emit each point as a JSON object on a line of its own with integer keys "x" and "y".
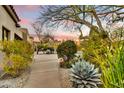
{"x": 94, "y": 50}
{"x": 68, "y": 64}
{"x": 67, "y": 48}
{"x": 40, "y": 46}
{"x": 109, "y": 57}
{"x": 48, "y": 48}
{"x": 14, "y": 64}
{"x": 18, "y": 56}
{"x": 45, "y": 47}
{"x": 18, "y": 47}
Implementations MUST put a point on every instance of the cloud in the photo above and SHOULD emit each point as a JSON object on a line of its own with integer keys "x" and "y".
{"x": 62, "y": 35}
{"x": 24, "y": 21}
{"x": 29, "y": 13}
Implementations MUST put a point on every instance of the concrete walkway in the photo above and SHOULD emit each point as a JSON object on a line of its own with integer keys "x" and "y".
{"x": 45, "y": 72}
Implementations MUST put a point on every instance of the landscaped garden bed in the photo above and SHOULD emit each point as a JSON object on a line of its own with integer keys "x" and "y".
{"x": 15, "y": 68}
{"x": 18, "y": 82}
{"x": 45, "y": 48}
{"x": 99, "y": 66}
{"x": 66, "y": 50}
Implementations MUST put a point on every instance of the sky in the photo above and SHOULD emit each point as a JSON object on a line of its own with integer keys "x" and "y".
{"x": 29, "y": 13}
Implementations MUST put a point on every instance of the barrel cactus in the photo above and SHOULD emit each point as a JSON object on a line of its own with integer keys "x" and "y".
{"x": 85, "y": 75}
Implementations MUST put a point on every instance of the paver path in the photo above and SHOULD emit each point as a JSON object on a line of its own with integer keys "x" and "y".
{"x": 45, "y": 72}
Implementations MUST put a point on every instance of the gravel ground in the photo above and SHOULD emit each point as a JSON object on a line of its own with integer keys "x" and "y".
{"x": 18, "y": 82}
{"x": 64, "y": 76}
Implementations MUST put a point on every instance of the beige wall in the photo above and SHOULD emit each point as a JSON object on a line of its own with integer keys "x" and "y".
{"x": 25, "y": 34}
{"x": 7, "y": 22}
{"x": 19, "y": 33}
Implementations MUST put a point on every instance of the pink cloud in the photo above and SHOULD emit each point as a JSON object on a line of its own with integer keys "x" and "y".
{"x": 65, "y": 36}
{"x": 24, "y": 21}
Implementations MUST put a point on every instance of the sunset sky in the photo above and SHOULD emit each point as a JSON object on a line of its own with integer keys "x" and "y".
{"x": 29, "y": 13}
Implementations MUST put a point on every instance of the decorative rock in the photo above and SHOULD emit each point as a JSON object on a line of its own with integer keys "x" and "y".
{"x": 18, "y": 82}
{"x": 61, "y": 60}
{"x": 6, "y": 85}
{"x": 65, "y": 80}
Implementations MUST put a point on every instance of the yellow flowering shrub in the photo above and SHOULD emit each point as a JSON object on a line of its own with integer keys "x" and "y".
{"x": 14, "y": 64}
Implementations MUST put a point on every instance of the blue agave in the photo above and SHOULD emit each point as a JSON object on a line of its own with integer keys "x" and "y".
{"x": 85, "y": 75}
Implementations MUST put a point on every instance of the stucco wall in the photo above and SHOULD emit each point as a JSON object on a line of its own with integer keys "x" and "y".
{"x": 19, "y": 33}
{"x": 7, "y": 22}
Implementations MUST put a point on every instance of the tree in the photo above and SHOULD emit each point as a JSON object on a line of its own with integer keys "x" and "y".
{"x": 38, "y": 30}
{"x": 47, "y": 36}
{"x": 118, "y": 34}
{"x": 80, "y": 31}
{"x": 42, "y": 34}
{"x": 65, "y": 14}
{"x": 93, "y": 17}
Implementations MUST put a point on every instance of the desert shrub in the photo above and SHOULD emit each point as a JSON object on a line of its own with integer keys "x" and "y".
{"x": 40, "y": 46}
{"x": 107, "y": 56}
{"x": 113, "y": 74}
{"x": 45, "y": 48}
{"x": 14, "y": 64}
{"x": 67, "y": 48}
{"x": 94, "y": 51}
{"x": 68, "y": 64}
{"x": 18, "y": 47}
{"x": 18, "y": 56}
{"x": 48, "y": 48}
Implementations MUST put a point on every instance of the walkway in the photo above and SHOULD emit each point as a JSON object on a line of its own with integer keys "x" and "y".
{"x": 45, "y": 73}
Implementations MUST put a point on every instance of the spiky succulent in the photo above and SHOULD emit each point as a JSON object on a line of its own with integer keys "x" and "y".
{"x": 85, "y": 75}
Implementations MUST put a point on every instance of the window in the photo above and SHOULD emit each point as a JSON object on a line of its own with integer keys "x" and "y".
{"x": 5, "y": 34}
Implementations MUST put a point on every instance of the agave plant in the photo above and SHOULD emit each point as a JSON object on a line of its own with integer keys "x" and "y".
{"x": 85, "y": 75}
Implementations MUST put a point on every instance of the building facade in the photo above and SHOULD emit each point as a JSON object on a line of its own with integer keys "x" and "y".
{"x": 9, "y": 27}
{"x": 25, "y": 34}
